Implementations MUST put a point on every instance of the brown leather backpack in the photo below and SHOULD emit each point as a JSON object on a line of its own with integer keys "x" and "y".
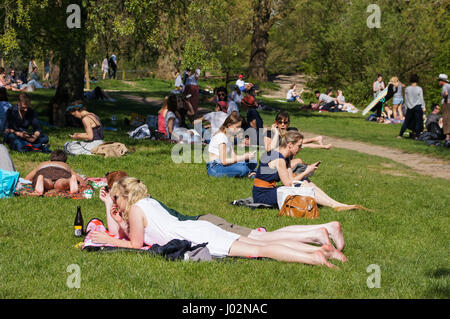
{"x": 299, "y": 206}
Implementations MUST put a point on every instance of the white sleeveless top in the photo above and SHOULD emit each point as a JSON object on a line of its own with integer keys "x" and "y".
{"x": 162, "y": 227}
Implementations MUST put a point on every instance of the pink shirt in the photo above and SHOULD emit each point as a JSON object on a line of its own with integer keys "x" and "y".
{"x": 161, "y": 122}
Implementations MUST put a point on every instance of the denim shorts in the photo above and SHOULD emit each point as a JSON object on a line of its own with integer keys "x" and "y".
{"x": 397, "y": 100}
{"x": 292, "y": 99}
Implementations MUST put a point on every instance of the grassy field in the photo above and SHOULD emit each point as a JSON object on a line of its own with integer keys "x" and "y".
{"x": 407, "y": 236}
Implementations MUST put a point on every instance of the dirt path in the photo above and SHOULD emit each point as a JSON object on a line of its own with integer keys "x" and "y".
{"x": 422, "y": 164}
{"x": 285, "y": 81}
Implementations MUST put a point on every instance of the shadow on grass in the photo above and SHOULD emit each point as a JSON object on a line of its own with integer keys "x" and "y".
{"x": 439, "y": 273}
{"x": 440, "y": 289}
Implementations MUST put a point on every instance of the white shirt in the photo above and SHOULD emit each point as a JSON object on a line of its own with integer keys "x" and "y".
{"x": 232, "y": 106}
{"x": 216, "y": 119}
{"x": 162, "y": 227}
{"x": 176, "y": 122}
{"x": 240, "y": 83}
{"x": 219, "y": 138}
{"x": 237, "y": 98}
{"x": 325, "y": 98}
{"x": 105, "y": 64}
{"x": 290, "y": 94}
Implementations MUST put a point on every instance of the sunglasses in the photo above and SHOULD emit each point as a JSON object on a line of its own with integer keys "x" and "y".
{"x": 221, "y": 94}
{"x": 283, "y": 122}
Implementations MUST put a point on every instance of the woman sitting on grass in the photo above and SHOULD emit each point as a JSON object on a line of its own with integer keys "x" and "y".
{"x": 293, "y": 96}
{"x": 93, "y": 135}
{"x": 174, "y": 121}
{"x": 145, "y": 221}
{"x": 54, "y": 174}
{"x": 281, "y": 126}
{"x": 222, "y": 159}
{"x": 279, "y": 165}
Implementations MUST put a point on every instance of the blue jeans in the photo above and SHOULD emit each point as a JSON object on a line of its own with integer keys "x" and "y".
{"x": 240, "y": 169}
{"x": 18, "y": 144}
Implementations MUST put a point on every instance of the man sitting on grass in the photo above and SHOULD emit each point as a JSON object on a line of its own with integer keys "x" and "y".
{"x": 55, "y": 174}
{"x": 18, "y": 119}
{"x": 326, "y": 102}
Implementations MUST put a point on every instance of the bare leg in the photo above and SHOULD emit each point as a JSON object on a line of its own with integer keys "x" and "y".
{"x": 333, "y": 228}
{"x": 394, "y": 110}
{"x": 322, "y": 198}
{"x": 328, "y": 250}
{"x": 42, "y": 185}
{"x": 314, "y": 236}
{"x": 70, "y": 184}
{"x": 278, "y": 252}
{"x": 327, "y": 147}
{"x": 308, "y": 143}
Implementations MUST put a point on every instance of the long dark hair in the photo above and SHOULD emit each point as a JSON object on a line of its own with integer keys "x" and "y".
{"x": 172, "y": 106}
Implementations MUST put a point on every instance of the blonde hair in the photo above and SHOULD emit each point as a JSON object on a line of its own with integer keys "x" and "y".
{"x": 132, "y": 188}
{"x": 290, "y": 137}
{"x": 394, "y": 80}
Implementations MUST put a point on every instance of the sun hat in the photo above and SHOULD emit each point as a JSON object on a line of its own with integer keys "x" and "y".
{"x": 443, "y": 77}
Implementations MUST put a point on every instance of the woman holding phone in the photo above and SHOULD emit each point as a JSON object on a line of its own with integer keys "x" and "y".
{"x": 278, "y": 164}
{"x": 222, "y": 159}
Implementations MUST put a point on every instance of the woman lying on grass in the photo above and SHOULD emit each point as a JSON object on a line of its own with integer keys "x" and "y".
{"x": 54, "y": 174}
{"x": 310, "y": 234}
{"x": 279, "y": 165}
{"x": 281, "y": 126}
{"x": 145, "y": 221}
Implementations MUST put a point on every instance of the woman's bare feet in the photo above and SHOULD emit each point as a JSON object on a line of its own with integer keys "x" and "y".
{"x": 73, "y": 184}
{"x": 39, "y": 187}
{"x": 320, "y": 259}
{"x": 335, "y": 231}
{"x": 324, "y": 237}
{"x": 332, "y": 253}
{"x": 328, "y": 146}
{"x": 351, "y": 207}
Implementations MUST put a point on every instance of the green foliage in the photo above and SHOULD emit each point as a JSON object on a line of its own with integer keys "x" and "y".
{"x": 330, "y": 39}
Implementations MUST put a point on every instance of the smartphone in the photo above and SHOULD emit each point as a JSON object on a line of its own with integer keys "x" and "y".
{"x": 318, "y": 163}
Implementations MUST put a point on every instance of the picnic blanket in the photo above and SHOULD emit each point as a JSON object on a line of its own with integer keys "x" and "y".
{"x": 248, "y": 202}
{"x": 27, "y": 190}
{"x": 176, "y": 249}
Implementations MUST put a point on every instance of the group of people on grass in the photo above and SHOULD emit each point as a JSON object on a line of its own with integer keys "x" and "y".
{"x": 22, "y": 131}
{"x": 409, "y": 108}
{"x": 136, "y": 219}
{"x": 23, "y": 82}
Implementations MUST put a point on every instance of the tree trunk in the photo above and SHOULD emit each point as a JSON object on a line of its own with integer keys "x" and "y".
{"x": 71, "y": 72}
{"x": 260, "y": 39}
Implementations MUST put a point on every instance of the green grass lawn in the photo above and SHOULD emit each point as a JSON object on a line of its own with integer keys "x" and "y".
{"x": 407, "y": 236}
